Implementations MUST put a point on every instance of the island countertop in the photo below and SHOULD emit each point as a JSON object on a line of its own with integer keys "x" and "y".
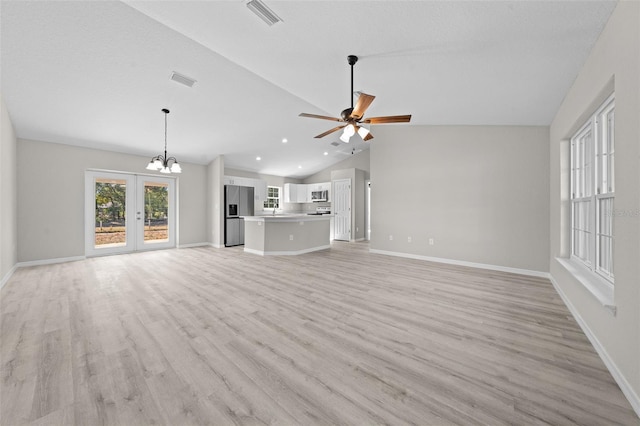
{"x": 287, "y": 217}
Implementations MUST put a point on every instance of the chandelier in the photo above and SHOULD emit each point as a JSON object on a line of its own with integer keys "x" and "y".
{"x": 161, "y": 163}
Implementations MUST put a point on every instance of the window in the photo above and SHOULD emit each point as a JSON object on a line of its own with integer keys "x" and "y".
{"x": 592, "y": 192}
{"x": 273, "y": 198}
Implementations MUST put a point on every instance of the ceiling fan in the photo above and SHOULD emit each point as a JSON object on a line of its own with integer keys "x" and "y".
{"x": 354, "y": 116}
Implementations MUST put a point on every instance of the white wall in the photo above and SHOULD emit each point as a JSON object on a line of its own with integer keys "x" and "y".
{"x": 51, "y": 197}
{"x": 481, "y": 192}
{"x": 8, "y": 196}
{"x": 614, "y": 63}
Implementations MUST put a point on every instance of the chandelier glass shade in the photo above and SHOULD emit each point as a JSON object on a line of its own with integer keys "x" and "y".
{"x": 163, "y": 163}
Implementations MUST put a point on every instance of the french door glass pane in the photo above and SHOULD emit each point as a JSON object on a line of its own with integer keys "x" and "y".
{"x": 110, "y": 212}
{"x": 156, "y": 210}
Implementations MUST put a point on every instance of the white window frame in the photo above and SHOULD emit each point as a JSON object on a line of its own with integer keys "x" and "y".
{"x": 267, "y": 198}
{"x": 592, "y": 184}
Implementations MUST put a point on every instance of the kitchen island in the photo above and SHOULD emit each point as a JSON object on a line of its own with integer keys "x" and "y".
{"x": 286, "y": 234}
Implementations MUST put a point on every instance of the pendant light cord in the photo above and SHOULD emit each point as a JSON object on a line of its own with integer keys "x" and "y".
{"x": 165, "y": 134}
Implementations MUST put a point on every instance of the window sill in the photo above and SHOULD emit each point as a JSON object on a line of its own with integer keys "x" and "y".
{"x": 600, "y": 288}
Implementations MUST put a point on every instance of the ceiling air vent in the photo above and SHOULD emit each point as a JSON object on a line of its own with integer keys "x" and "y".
{"x": 335, "y": 143}
{"x": 182, "y": 79}
{"x": 263, "y": 12}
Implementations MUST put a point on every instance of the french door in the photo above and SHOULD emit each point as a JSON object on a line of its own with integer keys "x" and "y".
{"x": 128, "y": 212}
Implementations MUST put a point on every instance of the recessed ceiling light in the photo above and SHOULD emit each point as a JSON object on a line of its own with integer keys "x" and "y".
{"x": 299, "y": 167}
{"x": 258, "y": 158}
{"x": 284, "y": 140}
{"x": 325, "y": 153}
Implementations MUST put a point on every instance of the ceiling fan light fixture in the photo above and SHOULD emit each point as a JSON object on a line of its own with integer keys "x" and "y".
{"x": 345, "y": 138}
{"x": 263, "y": 12}
{"x": 363, "y": 132}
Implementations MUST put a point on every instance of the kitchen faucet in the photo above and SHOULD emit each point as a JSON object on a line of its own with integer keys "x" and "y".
{"x": 274, "y": 211}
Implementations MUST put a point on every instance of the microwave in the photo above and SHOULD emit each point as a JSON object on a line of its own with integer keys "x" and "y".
{"x": 318, "y": 196}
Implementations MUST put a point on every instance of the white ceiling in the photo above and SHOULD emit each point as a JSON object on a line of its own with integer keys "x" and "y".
{"x": 97, "y": 73}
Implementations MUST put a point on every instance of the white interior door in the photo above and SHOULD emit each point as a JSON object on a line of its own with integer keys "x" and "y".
{"x": 341, "y": 206}
{"x": 127, "y": 212}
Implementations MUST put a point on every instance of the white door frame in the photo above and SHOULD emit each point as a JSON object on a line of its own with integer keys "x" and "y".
{"x": 367, "y": 207}
{"x": 134, "y": 220}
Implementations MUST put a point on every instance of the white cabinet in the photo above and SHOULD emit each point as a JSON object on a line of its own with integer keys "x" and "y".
{"x": 259, "y": 186}
{"x": 295, "y": 193}
{"x": 301, "y": 193}
{"x": 239, "y": 181}
{"x": 260, "y": 189}
{"x": 290, "y": 192}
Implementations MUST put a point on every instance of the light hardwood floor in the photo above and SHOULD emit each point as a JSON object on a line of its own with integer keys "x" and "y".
{"x": 342, "y": 336}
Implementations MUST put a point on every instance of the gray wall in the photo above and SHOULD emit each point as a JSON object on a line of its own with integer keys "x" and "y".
{"x": 51, "y": 180}
{"x": 360, "y": 161}
{"x": 614, "y": 63}
{"x": 8, "y": 196}
{"x": 481, "y": 192}
{"x": 215, "y": 202}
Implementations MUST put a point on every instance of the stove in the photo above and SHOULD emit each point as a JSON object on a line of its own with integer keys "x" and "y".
{"x": 320, "y": 211}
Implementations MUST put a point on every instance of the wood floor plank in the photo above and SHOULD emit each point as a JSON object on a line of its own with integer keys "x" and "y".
{"x": 339, "y": 336}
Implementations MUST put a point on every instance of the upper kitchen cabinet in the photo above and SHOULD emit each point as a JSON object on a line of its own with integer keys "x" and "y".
{"x": 301, "y": 193}
{"x": 259, "y": 186}
{"x": 295, "y": 193}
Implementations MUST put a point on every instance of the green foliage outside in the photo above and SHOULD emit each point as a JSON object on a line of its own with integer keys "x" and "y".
{"x": 110, "y": 202}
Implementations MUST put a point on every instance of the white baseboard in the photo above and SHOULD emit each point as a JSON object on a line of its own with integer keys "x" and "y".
{"x": 622, "y": 382}
{"x": 285, "y": 253}
{"x": 50, "y": 261}
{"x": 7, "y": 276}
{"x": 216, "y": 245}
{"x": 181, "y": 246}
{"x": 529, "y": 272}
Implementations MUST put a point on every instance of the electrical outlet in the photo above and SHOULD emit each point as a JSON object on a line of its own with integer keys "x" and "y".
{"x": 291, "y": 237}
{"x": 408, "y": 239}
{"x": 430, "y": 241}
{"x": 390, "y": 237}
{"x": 357, "y": 229}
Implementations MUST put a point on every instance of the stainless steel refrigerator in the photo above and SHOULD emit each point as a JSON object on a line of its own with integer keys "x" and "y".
{"x": 238, "y": 201}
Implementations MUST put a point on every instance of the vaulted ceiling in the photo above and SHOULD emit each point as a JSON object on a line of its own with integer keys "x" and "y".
{"x": 97, "y": 74}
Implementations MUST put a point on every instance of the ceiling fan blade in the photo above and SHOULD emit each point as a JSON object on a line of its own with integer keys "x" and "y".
{"x": 368, "y": 137}
{"x": 362, "y": 104}
{"x": 328, "y": 132}
{"x": 322, "y": 117}
{"x": 388, "y": 119}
